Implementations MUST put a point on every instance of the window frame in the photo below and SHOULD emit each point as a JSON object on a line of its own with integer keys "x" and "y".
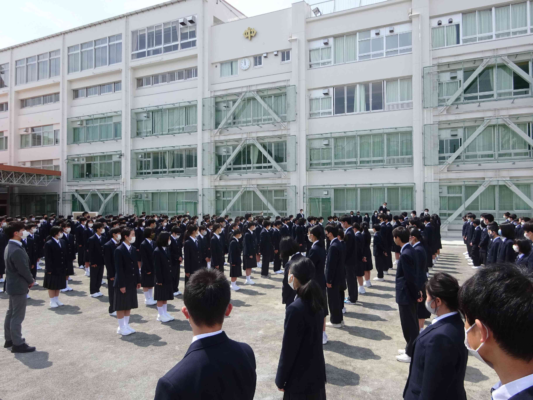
{"x": 75, "y": 52}
{"x": 42, "y": 132}
{"x": 167, "y": 77}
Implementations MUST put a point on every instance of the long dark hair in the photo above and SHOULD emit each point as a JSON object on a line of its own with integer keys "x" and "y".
{"x": 190, "y": 229}
{"x": 162, "y": 239}
{"x": 304, "y": 270}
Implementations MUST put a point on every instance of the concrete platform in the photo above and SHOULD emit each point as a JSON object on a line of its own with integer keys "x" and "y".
{"x": 80, "y": 356}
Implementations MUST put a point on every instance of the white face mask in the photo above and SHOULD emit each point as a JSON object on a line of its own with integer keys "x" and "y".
{"x": 91, "y": 225}
{"x": 169, "y": 242}
{"x": 33, "y": 219}
{"x": 132, "y": 240}
{"x": 25, "y": 234}
{"x": 143, "y": 223}
{"x": 431, "y": 309}
{"x": 515, "y": 248}
{"x": 4, "y": 224}
{"x": 291, "y": 282}
{"x": 475, "y": 352}
{"x": 118, "y": 238}
{"x": 60, "y": 235}
{"x": 33, "y": 231}
{"x": 68, "y": 230}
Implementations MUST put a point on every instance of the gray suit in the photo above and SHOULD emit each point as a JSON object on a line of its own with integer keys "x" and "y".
{"x": 18, "y": 279}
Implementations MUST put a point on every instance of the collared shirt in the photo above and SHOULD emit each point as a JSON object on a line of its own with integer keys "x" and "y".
{"x": 333, "y": 240}
{"x": 57, "y": 241}
{"x": 127, "y": 245}
{"x": 98, "y": 236}
{"x": 218, "y": 237}
{"x": 414, "y": 245}
{"x": 114, "y": 241}
{"x": 16, "y": 241}
{"x": 401, "y": 251}
{"x": 206, "y": 335}
{"x": 315, "y": 242}
{"x": 437, "y": 319}
{"x": 504, "y": 392}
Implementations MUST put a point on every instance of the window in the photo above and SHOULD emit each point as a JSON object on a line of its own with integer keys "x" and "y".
{"x": 444, "y": 36}
{"x": 37, "y": 68}
{"x": 163, "y": 38}
{"x": 320, "y": 107}
{"x": 511, "y": 20}
{"x": 285, "y": 56}
{"x": 97, "y": 90}
{"x": 4, "y": 75}
{"x": 371, "y": 45}
{"x": 167, "y": 162}
{"x": 40, "y": 136}
{"x": 3, "y": 107}
{"x": 361, "y": 149}
{"x": 477, "y": 26}
{"x": 95, "y": 167}
{"x": 258, "y": 61}
{"x": 250, "y": 158}
{"x": 166, "y": 121}
{"x": 44, "y": 164}
{"x": 96, "y": 130}
{"x": 94, "y": 54}
{"x": 320, "y": 57}
{"x": 39, "y": 100}
{"x": 228, "y": 68}
{"x": 3, "y": 141}
{"x": 168, "y": 77}
{"x": 399, "y": 94}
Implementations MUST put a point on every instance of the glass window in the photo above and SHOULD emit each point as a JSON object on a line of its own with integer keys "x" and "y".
{"x": 4, "y": 75}
{"x": 286, "y": 56}
{"x": 258, "y": 61}
{"x": 31, "y": 69}
{"x": 228, "y": 68}
{"x": 74, "y": 58}
{"x": 87, "y": 55}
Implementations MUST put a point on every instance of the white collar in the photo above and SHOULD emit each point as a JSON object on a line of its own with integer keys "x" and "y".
{"x": 98, "y": 236}
{"x": 206, "y": 335}
{"x": 114, "y": 241}
{"x": 149, "y": 240}
{"x": 57, "y": 241}
{"x": 15, "y": 241}
{"x": 416, "y": 244}
{"x": 128, "y": 246}
{"x": 333, "y": 240}
{"x": 218, "y": 237}
{"x": 401, "y": 251}
{"x": 504, "y": 392}
{"x": 315, "y": 242}
{"x": 437, "y": 319}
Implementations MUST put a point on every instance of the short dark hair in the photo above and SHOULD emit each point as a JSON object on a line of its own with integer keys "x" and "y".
{"x": 12, "y": 228}
{"x": 207, "y": 295}
{"x": 114, "y": 231}
{"x": 524, "y": 246}
{"x": 347, "y": 219}
{"x": 287, "y": 247}
{"x": 501, "y": 297}
{"x": 331, "y": 229}
{"x": 376, "y": 227}
{"x": 162, "y": 239}
{"x": 402, "y": 233}
{"x": 97, "y": 226}
{"x": 508, "y": 231}
{"x": 446, "y": 288}
{"x": 147, "y": 233}
{"x": 316, "y": 232}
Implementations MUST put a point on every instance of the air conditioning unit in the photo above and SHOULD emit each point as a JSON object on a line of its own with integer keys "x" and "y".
{"x": 183, "y": 22}
{"x": 226, "y": 150}
{"x": 377, "y": 32}
{"x": 79, "y": 123}
{"x": 325, "y": 142}
{"x": 453, "y": 75}
{"x": 146, "y": 196}
{"x": 275, "y": 53}
{"x": 450, "y": 21}
{"x": 326, "y": 42}
{"x": 391, "y": 29}
{"x": 117, "y": 157}
{"x": 265, "y": 55}
{"x": 219, "y": 195}
{"x": 325, "y": 192}
{"x": 191, "y": 20}
{"x": 26, "y": 130}
{"x": 439, "y": 22}
{"x": 454, "y": 133}
{"x": 325, "y": 92}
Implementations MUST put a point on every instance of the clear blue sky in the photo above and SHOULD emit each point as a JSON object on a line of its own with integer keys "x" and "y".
{"x": 26, "y": 20}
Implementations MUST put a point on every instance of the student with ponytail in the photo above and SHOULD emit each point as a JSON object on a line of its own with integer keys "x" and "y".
{"x": 302, "y": 370}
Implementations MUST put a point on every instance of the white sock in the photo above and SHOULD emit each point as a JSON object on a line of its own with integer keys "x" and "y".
{"x": 67, "y": 284}
{"x": 122, "y": 324}
{"x": 147, "y": 295}
{"x": 161, "y": 311}
{"x": 127, "y": 320}
{"x": 208, "y": 264}
{"x": 151, "y": 291}
{"x": 165, "y": 308}
{"x": 248, "y": 278}
{"x": 56, "y": 298}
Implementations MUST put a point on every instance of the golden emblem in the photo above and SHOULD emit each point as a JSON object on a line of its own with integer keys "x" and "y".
{"x": 250, "y": 33}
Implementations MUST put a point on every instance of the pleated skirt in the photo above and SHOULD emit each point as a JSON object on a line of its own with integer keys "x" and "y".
{"x": 148, "y": 280}
{"x": 235, "y": 271}
{"x": 320, "y": 395}
{"x": 54, "y": 282}
{"x": 70, "y": 269}
{"x": 368, "y": 265}
{"x": 126, "y": 301}
{"x": 163, "y": 292}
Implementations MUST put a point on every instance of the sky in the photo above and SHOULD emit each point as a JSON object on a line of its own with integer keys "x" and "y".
{"x": 23, "y": 21}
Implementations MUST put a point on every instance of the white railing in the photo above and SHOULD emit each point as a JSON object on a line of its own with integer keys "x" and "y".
{"x": 323, "y": 7}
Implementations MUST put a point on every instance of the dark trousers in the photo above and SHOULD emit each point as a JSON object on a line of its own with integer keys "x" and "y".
{"x": 483, "y": 255}
{"x": 111, "y": 294}
{"x": 469, "y": 249}
{"x": 388, "y": 263}
{"x": 409, "y": 321}
{"x": 335, "y": 303}
{"x": 284, "y": 262}
{"x": 476, "y": 258}
{"x": 34, "y": 271}
{"x": 351, "y": 280}
{"x": 81, "y": 256}
{"x": 265, "y": 262}
{"x": 175, "y": 277}
{"x": 277, "y": 262}
{"x": 97, "y": 273}
{"x": 380, "y": 262}
{"x": 16, "y": 311}
{"x": 319, "y": 395}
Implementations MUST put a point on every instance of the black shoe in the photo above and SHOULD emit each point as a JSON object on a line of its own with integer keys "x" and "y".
{"x": 23, "y": 348}
{"x": 8, "y": 344}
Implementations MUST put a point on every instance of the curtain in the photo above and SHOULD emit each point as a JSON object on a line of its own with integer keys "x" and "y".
{"x": 406, "y": 89}
{"x": 393, "y": 88}
{"x": 485, "y": 23}
{"x": 519, "y": 203}
{"x": 378, "y": 197}
{"x": 393, "y": 198}
{"x": 365, "y": 147}
{"x": 363, "y": 98}
{"x": 406, "y": 198}
{"x": 351, "y": 150}
{"x": 451, "y": 35}
{"x": 314, "y": 56}
{"x": 519, "y": 16}
{"x": 469, "y": 24}
{"x": 439, "y": 37}
{"x": 326, "y": 55}
{"x": 339, "y": 200}
{"x": 225, "y": 69}
{"x": 351, "y": 48}
{"x": 339, "y": 154}
{"x": 406, "y": 144}
{"x": 314, "y": 107}
{"x": 365, "y": 196}
{"x": 506, "y": 198}
{"x": 487, "y": 199}
{"x": 504, "y": 80}
{"x": 339, "y": 49}
{"x": 505, "y": 137}
{"x": 326, "y": 106}
{"x": 503, "y": 19}
{"x": 378, "y": 146}
{"x": 393, "y": 145}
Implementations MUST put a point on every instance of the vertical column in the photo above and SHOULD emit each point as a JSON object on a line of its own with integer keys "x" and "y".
{"x": 12, "y": 142}
{"x": 201, "y": 92}
{"x": 63, "y": 105}
{"x": 127, "y": 90}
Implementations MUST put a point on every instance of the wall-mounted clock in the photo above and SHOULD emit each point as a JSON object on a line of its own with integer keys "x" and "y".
{"x": 245, "y": 64}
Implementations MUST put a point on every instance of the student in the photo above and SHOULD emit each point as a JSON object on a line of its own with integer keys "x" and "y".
{"x": 96, "y": 259}
{"x": 266, "y": 248}
{"x": 163, "y": 277}
{"x": 176, "y": 257}
{"x": 191, "y": 252}
{"x": 109, "y": 261}
{"x": 217, "y": 248}
{"x": 505, "y": 251}
{"x": 146, "y": 251}
{"x": 301, "y": 236}
{"x": 249, "y": 252}
{"x": 366, "y": 219}
{"x": 289, "y": 248}
{"x": 335, "y": 277}
{"x": 522, "y": 247}
{"x": 55, "y": 272}
{"x": 127, "y": 281}
{"x": 379, "y": 253}
{"x": 367, "y": 255}
{"x": 317, "y": 254}
{"x": 353, "y": 256}
{"x": 407, "y": 292}
{"x": 528, "y": 230}
{"x": 31, "y": 245}
{"x": 485, "y": 238}
{"x": 87, "y": 234}
{"x": 235, "y": 259}
{"x": 80, "y": 241}
{"x": 276, "y": 239}
{"x": 70, "y": 241}
{"x": 494, "y": 243}
{"x": 439, "y": 362}
{"x": 415, "y": 240}
{"x": 214, "y": 366}
{"x": 497, "y": 304}
{"x": 302, "y": 368}
{"x": 474, "y": 245}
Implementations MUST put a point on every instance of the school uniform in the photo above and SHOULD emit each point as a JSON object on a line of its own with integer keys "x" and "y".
{"x": 484, "y": 245}
{"x": 217, "y": 253}
{"x": 317, "y": 254}
{"x": 407, "y": 295}
{"x": 191, "y": 257}
{"x": 267, "y": 251}
{"x": 520, "y": 389}
{"x": 526, "y": 261}
{"x": 163, "y": 275}
{"x": 506, "y": 252}
{"x": 127, "y": 276}
{"x": 214, "y": 367}
{"x": 234, "y": 258}
{"x": 70, "y": 241}
{"x": 469, "y": 235}
{"x": 494, "y": 246}
{"x": 32, "y": 250}
{"x": 147, "y": 263}
{"x": 287, "y": 294}
{"x": 351, "y": 263}
{"x": 476, "y": 239}
{"x": 367, "y": 220}
{"x": 335, "y": 276}
{"x": 519, "y": 231}
{"x": 301, "y": 237}
{"x": 379, "y": 257}
{"x": 438, "y": 365}
{"x": 429, "y": 235}
{"x": 375, "y": 219}
{"x": 249, "y": 251}
{"x": 55, "y": 271}
{"x": 176, "y": 252}
{"x": 367, "y": 239}
{"x": 109, "y": 262}
{"x": 276, "y": 240}
{"x": 284, "y": 231}
{"x": 421, "y": 279}
{"x": 302, "y": 368}
{"x": 87, "y": 234}
{"x": 80, "y": 242}
{"x": 96, "y": 261}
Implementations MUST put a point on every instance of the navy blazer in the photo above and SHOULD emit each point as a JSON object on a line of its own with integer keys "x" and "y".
{"x": 351, "y": 248}
{"x": 276, "y": 238}
{"x": 524, "y": 394}
{"x": 506, "y": 252}
{"x": 422, "y": 258}
{"x": 438, "y": 367}
{"x": 301, "y": 367}
{"x": 525, "y": 261}
{"x": 217, "y": 253}
{"x": 429, "y": 234}
{"x": 287, "y": 294}
{"x": 214, "y": 367}
{"x": 476, "y": 236}
{"x": 249, "y": 248}
{"x": 485, "y": 239}
{"x": 55, "y": 258}
{"x": 162, "y": 266}
{"x": 317, "y": 254}
{"x": 175, "y": 250}
{"x": 494, "y": 247}
{"x": 191, "y": 255}
{"x": 406, "y": 277}
{"x": 96, "y": 251}
{"x": 335, "y": 263}
{"x": 109, "y": 258}
{"x": 284, "y": 231}
{"x": 265, "y": 245}
{"x": 147, "y": 260}
{"x": 234, "y": 255}
{"x": 127, "y": 270}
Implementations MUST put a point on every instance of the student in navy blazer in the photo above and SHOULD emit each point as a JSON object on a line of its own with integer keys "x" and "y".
{"x": 217, "y": 248}
{"x": 191, "y": 252}
{"x": 289, "y": 248}
{"x": 524, "y": 257}
{"x": 214, "y": 367}
{"x": 494, "y": 244}
{"x": 438, "y": 365}
{"x": 505, "y": 251}
{"x": 109, "y": 261}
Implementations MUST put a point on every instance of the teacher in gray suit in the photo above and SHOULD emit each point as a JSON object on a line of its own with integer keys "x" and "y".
{"x": 18, "y": 281}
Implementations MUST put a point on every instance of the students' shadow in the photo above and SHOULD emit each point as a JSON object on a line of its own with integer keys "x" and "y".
{"x": 179, "y": 325}
{"x": 173, "y": 308}
{"x": 35, "y": 360}
{"x": 142, "y": 339}
{"x": 103, "y": 299}
{"x": 35, "y": 302}
{"x": 474, "y": 375}
{"x": 367, "y": 333}
{"x": 251, "y": 292}
{"x": 384, "y": 288}
{"x": 341, "y": 377}
{"x": 365, "y": 317}
{"x": 239, "y": 303}
{"x": 380, "y": 295}
{"x": 137, "y": 319}
{"x": 379, "y": 307}
{"x": 75, "y": 283}
{"x": 76, "y": 293}
{"x": 265, "y": 286}
{"x": 354, "y": 352}
{"x": 67, "y": 309}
